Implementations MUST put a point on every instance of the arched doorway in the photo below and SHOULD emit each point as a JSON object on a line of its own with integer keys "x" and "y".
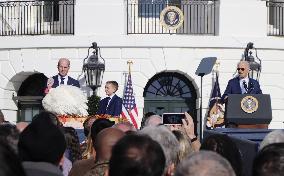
{"x": 170, "y": 92}
{"x": 30, "y": 95}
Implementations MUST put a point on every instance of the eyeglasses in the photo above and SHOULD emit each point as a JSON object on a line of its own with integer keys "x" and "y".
{"x": 243, "y": 69}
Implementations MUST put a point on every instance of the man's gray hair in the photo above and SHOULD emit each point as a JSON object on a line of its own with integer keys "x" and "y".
{"x": 63, "y": 59}
{"x": 244, "y": 62}
{"x": 166, "y": 139}
{"x": 150, "y": 119}
{"x": 205, "y": 163}
{"x": 275, "y": 136}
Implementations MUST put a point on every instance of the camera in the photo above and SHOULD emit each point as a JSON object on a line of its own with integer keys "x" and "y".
{"x": 173, "y": 118}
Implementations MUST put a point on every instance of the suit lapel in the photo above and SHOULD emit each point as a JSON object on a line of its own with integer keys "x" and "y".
{"x": 56, "y": 83}
{"x": 69, "y": 81}
{"x": 112, "y": 101}
{"x": 250, "y": 85}
{"x": 239, "y": 89}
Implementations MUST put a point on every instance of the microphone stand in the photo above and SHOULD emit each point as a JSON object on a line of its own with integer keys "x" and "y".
{"x": 200, "y": 108}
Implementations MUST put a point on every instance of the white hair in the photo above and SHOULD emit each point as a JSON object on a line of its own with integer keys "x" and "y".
{"x": 149, "y": 121}
{"x": 166, "y": 139}
{"x": 205, "y": 163}
{"x": 275, "y": 136}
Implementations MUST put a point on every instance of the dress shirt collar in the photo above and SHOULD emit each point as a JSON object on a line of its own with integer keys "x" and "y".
{"x": 65, "y": 79}
{"x": 111, "y": 96}
{"x": 244, "y": 79}
{"x": 59, "y": 76}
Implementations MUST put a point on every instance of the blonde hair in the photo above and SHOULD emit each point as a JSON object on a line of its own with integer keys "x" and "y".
{"x": 89, "y": 149}
{"x": 114, "y": 83}
{"x": 185, "y": 148}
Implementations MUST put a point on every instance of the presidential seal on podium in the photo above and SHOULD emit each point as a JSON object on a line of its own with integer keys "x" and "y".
{"x": 171, "y": 18}
{"x": 249, "y": 104}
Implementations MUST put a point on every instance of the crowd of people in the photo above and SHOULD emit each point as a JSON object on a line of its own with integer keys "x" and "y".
{"x": 45, "y": 147}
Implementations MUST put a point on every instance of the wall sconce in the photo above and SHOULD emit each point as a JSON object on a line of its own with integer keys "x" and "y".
{"x": 255, "y": 66}
{"x": 94, "y": 69}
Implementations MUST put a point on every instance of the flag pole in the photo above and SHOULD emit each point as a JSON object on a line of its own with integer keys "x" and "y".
{"x": 129, "y": 62}
{"x": 216, "y": 69}
{"x": 217, "y": 66}
{"x": 129, "y": 109}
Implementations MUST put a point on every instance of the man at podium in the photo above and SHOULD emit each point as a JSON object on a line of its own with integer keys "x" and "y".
{"x": 242, "y": 110}
{"x": 242, "y": 84}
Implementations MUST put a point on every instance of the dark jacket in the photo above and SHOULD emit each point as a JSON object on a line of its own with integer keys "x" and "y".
{"x": 41, "y": 168}
{"x": 71, "y": 81}
{"x": 114, "y": 108}
{"x": 233, "y": 87}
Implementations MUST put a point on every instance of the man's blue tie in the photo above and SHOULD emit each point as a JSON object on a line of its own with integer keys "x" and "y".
{"x": 62, "y": 80}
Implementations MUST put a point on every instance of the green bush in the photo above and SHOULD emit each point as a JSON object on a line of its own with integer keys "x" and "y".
{"x": 93, "y": 104}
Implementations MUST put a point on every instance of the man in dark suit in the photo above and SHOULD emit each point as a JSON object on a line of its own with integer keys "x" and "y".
{"x": 112, "y": 104}
{"x": 62, "y": 78}
{"x": 242, "y": 84}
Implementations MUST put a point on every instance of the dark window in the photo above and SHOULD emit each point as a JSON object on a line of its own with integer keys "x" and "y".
{"x": 51, "y": 10}
{"x": 169, "y": 85}
{"x": 275, "y": 11}
{"x": 153, "y": 8}
{"x": 170, "y": 92}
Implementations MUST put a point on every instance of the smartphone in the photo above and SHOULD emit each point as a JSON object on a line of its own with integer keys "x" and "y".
{"x": 173, "y": 118}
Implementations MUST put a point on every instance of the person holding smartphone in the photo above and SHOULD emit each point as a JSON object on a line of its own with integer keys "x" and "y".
{"x": 182, "y": 122}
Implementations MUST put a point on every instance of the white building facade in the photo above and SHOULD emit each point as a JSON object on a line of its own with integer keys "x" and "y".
{"x": 176, "y": 55}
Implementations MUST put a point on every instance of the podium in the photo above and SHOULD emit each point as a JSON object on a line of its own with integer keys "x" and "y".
{"x": 248, "y": 109}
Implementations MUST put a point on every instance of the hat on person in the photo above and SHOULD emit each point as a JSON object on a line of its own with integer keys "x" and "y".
{"x": 42, "y": 141}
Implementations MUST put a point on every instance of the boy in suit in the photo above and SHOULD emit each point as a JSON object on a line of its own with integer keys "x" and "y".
{"x": 112, "y": 104}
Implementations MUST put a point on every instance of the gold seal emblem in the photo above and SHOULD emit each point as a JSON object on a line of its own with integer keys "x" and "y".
{"x": 171, "y": 17}
{"x": 216, "y": 116}
{"x": 249, "y": 104}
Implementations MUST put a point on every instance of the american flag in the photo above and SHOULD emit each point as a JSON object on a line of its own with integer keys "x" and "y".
{"x": 129, "y": 109}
